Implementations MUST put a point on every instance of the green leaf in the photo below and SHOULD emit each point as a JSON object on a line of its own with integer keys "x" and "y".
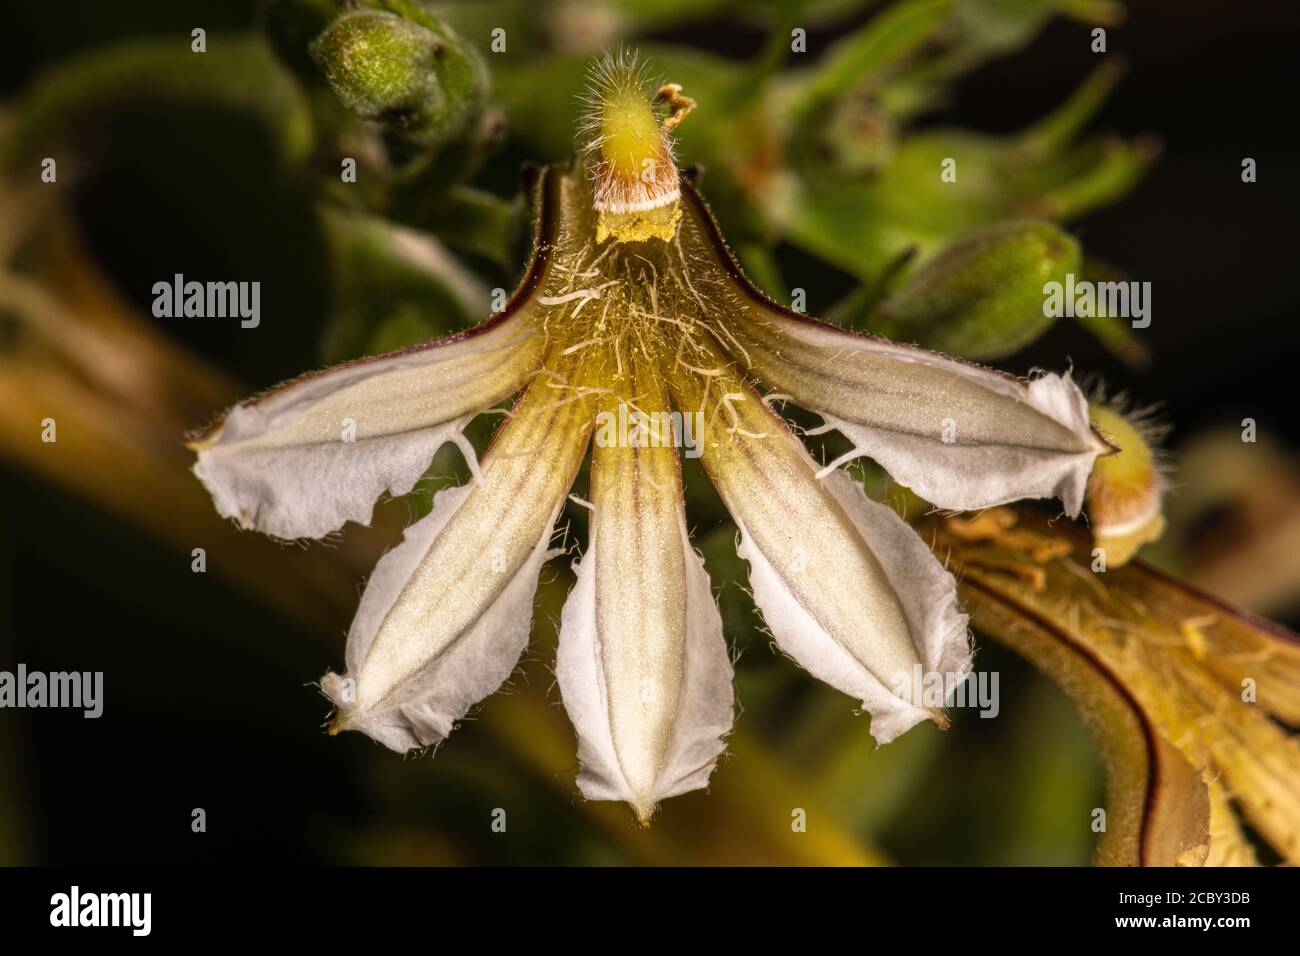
{"x": 863, "y": 56}
{"x": 394, "y": 287}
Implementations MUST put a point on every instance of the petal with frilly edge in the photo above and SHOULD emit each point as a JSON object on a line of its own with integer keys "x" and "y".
{"x": 304, "y": 458}
{"x": 447, "y": 613}
{"x": 959, "y": 435}
{"x": 642, "y": 665}
{"x": 847, "y": 589}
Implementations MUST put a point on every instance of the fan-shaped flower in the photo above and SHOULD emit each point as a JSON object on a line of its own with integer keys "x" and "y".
{"x": 632, "y": 309}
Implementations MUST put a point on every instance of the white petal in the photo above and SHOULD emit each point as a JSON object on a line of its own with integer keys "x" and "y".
{"x": 470, "y": 667}
{"x": 635, "y": 764}
{"x": 926, "y": 591}
{"x": 642, "y": 664}
{"x": 1000, "y": 452}
{"x": 846, "y": 587}
{"x": 959, "y": 435}
{"x": 448, "y": 612}
{"x": 311, "y": 455}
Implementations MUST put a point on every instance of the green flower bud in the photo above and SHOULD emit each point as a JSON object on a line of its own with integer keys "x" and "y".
{"x": 418, "y": 77}
{"x": 982, "y": 298}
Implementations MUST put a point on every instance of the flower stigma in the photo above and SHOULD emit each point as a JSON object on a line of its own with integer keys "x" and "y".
{"x": 628, "y": 151}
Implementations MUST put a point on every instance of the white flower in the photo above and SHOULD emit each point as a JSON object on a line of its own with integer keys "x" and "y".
{"x": 656, "y": 324}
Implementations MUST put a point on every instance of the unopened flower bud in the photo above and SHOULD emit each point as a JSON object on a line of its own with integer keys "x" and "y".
{"x": 418, "y": 77}
{"x": 982, "y": 298}
{"x": 1124, "y": 490}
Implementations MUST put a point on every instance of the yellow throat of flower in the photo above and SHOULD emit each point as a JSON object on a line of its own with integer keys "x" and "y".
{"x": 634, "y": 181}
